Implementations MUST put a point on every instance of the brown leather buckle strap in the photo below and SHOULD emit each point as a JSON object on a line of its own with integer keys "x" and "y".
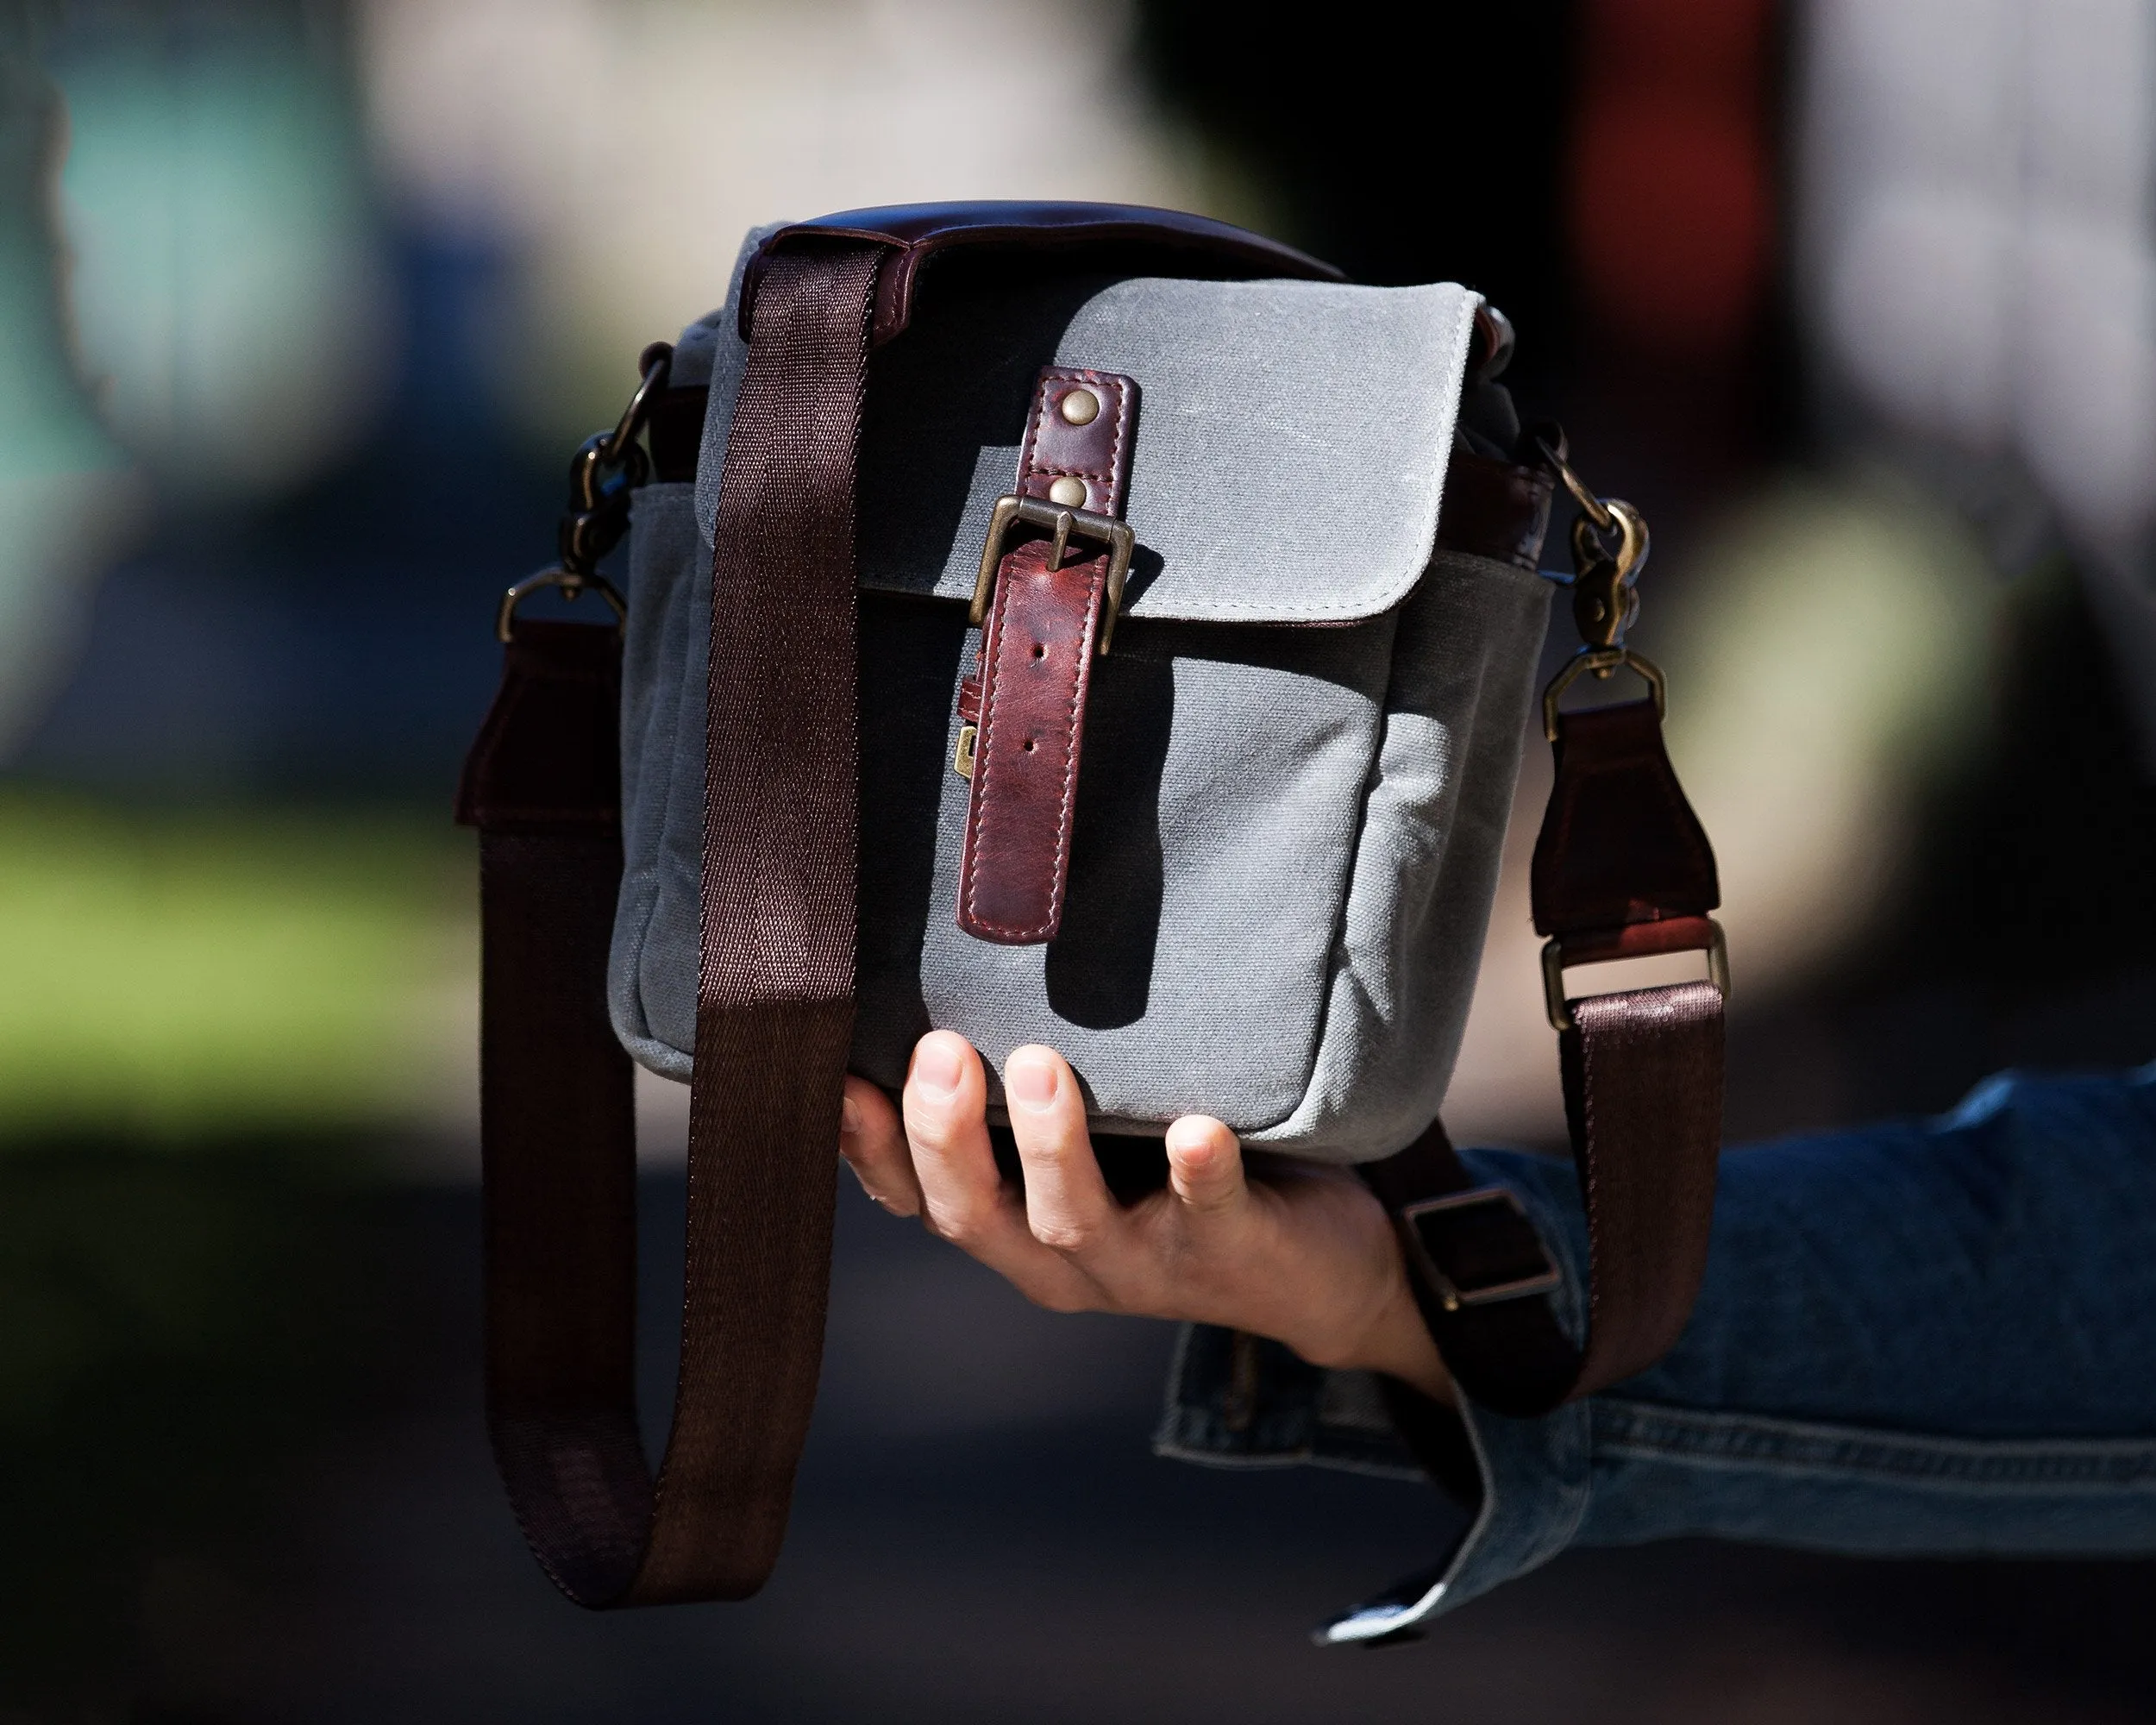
{"x": 1045, "y": 617}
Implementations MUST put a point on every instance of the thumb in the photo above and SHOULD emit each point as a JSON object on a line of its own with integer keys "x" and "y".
{"x": 1205, "y": 1167}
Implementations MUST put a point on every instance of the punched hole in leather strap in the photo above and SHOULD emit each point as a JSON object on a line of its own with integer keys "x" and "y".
{"x": 1024, "y": 709}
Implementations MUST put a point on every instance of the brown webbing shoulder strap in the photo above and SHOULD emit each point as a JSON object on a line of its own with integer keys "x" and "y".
{"x": 557, "y": 1121}
{"x": 774, "y": 1009}
{"x": 1622, "y": 869}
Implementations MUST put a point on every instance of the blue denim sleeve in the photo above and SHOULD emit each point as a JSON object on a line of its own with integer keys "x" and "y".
{"x": 1929, "y": 1337}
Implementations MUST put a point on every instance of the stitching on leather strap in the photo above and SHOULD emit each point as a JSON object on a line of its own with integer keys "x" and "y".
{"x": 1030, "y": 468}
{"x": 1070, "y": 752}
{"x": 988, "y": 756}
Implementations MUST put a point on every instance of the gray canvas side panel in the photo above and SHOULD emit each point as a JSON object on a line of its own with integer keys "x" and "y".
{"x": 664, "y": 553}
{"x": 1433, "y": 831}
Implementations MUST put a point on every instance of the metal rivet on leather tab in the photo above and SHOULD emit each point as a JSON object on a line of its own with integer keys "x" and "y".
{"x": 1069, "y": 492}
{"x": 1081, "y": 407}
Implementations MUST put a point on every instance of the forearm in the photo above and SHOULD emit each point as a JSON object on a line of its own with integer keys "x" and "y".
{"x": 1923, "y": 1336}
{"x": 1920, "y": 1337}
{"x": 1988, "y": 1274}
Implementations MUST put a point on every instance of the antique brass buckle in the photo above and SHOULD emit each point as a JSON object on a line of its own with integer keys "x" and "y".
{"x": 1062, "y": 525}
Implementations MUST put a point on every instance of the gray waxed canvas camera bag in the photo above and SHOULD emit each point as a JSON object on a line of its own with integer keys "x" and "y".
{"x": 1053, "y": 624}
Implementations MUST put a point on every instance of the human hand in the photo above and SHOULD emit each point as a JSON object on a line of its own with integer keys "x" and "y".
{"x": 1305, "y": 1255}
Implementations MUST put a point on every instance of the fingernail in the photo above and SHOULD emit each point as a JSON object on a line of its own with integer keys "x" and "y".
{"x": 850, "y": 1117}
{"x": 935, "y": 1067}
{"x": 1190, "y": 1140}
{"x": 1031, "y": 1081}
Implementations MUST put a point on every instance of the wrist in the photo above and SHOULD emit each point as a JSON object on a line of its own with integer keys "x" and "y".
{"x": 1394, "y": 1341}
{"x": 1400, "y": 1346}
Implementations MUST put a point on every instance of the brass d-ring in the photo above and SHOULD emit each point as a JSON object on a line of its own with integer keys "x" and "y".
{"x": 1603, "y": 661}
{"x": 572, "y": 585}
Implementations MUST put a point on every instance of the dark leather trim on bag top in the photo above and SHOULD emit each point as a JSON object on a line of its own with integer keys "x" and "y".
{"x": 1166, "y": 241}
{"x": 1495, "y": 509}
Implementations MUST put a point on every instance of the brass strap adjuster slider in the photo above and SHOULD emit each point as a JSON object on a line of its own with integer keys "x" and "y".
{"x": 1634, "y": 940}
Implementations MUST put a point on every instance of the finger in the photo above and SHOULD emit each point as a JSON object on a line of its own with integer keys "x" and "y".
{"x": 963, "y": 1196}
{"x": 873, "y": 1142}
{"x": 945, "y": 1106}
{"x": 1067, "y": 1202}
{"x": 1205, "y": 1172}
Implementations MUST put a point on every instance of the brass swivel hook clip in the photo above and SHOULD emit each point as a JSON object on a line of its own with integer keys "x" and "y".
{"x": 603, "y": 475}
{"x": 1609, "y": 549}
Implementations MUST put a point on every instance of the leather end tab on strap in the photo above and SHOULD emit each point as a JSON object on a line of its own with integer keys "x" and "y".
{"x": 548, "y": 754}
{"x": 1619, "y": 843}
{"x": 1080, "y": 428}
{"x": 1154, "y": 241}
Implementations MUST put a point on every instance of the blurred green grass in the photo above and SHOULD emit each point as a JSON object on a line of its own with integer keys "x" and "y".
{"x": 166, "y": 974}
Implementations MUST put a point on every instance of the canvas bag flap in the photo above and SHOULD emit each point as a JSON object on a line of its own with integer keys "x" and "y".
{"x": 1292, "y": 440}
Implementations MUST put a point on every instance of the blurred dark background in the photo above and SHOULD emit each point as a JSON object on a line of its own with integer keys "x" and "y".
{"x": 302, "y": 306}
